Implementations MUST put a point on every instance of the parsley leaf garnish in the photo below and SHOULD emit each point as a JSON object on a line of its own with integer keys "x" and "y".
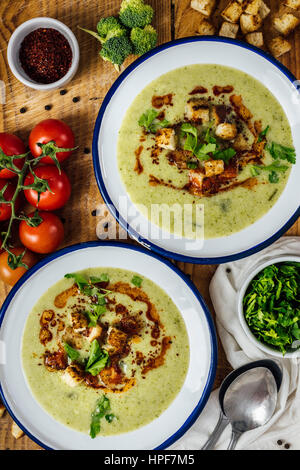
{"x": 102, "y": 407}
{"x": 225, "y": 155}
{"x": 148, "y": 121}
{"x": 281, "y": 152}
{"x": 71, "y": 352}
{"x": 263, "y": 134}
{"x": 97, "y": 360}
{"x": 137, "y": 281}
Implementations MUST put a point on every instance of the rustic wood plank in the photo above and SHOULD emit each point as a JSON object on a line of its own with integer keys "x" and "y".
{"x": 91, "y": 83}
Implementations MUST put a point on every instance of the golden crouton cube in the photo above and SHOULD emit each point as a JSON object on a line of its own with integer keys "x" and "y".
{"x": 294, "y": 4}
{"x": 116, "y": 340}
{"x": 226, "y": 131}
{"x": 213, "y": 167}
{"x": 256, "y": 39}
{"x": 2, "y": 409}
{"x": 73, "y": 375}
{"x": 250, "y": 23}
{"x": 16, "y": 431}
{"x": 229, "y": 30}
{"x": 279, "y": 46}
{"x": 166, "y": 138}
{"x": 196, "y": 178}
{"x": 240, "y": 143}
{"x": 251, "y": 7}
{"x": 286, "y": 23}
{"x": 197, "y": 110}
{"x": 264, "y": 10}
{"x": 232, "y": 12}
{"x": 94, "y": 333}
{"x": 79, "y": 322}
{"x": 206, "y": 28}
{"x": 203, "y": 6}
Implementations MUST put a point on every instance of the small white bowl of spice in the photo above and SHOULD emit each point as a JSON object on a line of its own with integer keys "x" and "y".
{"x": 269, "y": 306}
{"x": 43, "y": 53}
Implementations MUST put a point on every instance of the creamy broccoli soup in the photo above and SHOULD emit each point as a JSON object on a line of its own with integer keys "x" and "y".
{"x": 105, "y": 351}
{"x": 209, "y": 135}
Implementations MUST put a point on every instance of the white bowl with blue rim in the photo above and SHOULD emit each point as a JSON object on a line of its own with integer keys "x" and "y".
{"x": 195, "y": 50}
{"x": 181, "y": 413}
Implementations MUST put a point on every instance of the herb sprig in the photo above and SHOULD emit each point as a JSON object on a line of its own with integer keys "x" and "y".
{"x": 101, "y": 410}
{"x": 150, "y": 123}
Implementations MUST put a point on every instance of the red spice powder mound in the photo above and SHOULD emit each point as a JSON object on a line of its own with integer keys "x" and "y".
{"x": 45, "y": 55}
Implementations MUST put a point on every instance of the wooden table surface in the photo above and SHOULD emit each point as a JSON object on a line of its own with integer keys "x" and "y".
{"x": 173, "y": 19}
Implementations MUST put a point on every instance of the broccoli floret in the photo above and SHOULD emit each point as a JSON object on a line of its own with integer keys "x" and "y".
{"x": 116, "y": 49}
{"x": 135, "y": 14}
{"x": 143, "y": 40}
{"x": 105, "y": 25}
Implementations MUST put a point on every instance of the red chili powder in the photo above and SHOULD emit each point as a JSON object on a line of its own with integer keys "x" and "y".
{"x": 45, "y": 55}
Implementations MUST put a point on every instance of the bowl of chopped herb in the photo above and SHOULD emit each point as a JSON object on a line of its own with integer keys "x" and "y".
{"x": 43, "y": 53}
{"x": 269, "y": 306}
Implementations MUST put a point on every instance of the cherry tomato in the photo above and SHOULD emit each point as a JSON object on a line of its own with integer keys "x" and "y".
{"x": 59, "y": 184}
{"x": 47, "y": 130}
{"x": 5, "y": 209}
{"x": 11, "y": 145}
{"x": 11, "y": 276}
{"x": 44, "y": 238}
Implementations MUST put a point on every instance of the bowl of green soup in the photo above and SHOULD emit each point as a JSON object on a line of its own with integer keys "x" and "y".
{"x": 195, "y": 149}
{"x": 107, "y": 346}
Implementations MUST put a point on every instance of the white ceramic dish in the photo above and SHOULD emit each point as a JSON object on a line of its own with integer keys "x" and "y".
{"x": 248, "y": 332}
{"x": 132, "y": 81}
{"x": 14, "y": 46}
{"x": 188, "y": 404}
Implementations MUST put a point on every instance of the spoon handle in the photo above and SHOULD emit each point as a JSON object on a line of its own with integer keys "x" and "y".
{"x": 234, "y": 438}
{"x": 213, "y": 439}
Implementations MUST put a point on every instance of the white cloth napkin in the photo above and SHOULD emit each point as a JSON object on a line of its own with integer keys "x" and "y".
{"x": 285, "y": 423}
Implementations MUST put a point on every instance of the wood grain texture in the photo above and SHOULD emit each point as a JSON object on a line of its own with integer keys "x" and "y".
{"x": 91, "y": 83}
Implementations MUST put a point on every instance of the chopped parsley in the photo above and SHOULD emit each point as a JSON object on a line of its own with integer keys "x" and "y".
{"x": 281, "y": 152}
{"x": 225, "y": 155}
{"x": 263, "y": 134}
{"x": 272, "y": 306}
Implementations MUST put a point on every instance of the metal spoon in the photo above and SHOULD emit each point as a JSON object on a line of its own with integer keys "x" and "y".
{"x": 248, "y": 400}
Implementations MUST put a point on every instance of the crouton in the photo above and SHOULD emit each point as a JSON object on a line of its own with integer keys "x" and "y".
{"x": 256, "y": 39}
{"x": 251, "y": 7}
{"x": 229, "y": 30}
{"x": 213, "y": 167}
{"x": 73, "y": 375}
{"x": 286, "y": 23}
{"x": 179, "y": 158}
{"x": 2, "y": 409}
{"x": 203, "y": 6}
{"x": 232, "y": 12}
{"x": 94, "y": 333}
{"x": 197, "y": 110}
{"x": 166, "y": 139}
{"x": 240, "y": 144}
{"x": 206, "y": 28}
{"x": 242, "y": 111}
{"x": 79, "y": 322}
{"x": 16, "y": 431}
{"x": 116, "y": 340}
{"x": 294, "y": 4}
{"x": 196, "y": 178}
{"x": 226, "y": 131}
{"x": 279, "y": 46}
{"x": 250, "y": 23}
{"x": 219, "y": 113}
{"x": 264, "y": 10}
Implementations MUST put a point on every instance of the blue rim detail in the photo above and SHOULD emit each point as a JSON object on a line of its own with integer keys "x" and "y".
{"x": 96, "y": 161}
{"x": 213, "y": 338}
